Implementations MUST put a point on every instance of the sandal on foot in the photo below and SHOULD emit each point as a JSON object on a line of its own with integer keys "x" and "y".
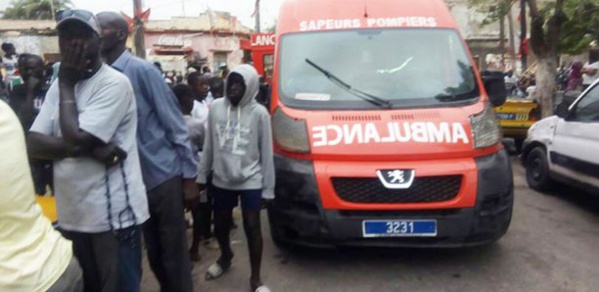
{"x": 216, "y": 271}
{"x": 262, "y": 288}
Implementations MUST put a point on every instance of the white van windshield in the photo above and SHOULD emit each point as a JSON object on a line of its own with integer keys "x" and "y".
{"x": 394, "y": 68}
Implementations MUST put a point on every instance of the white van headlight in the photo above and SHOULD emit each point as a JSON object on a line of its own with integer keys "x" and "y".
{"x": 289, "y": 133}
{"x": 485, "y": 128}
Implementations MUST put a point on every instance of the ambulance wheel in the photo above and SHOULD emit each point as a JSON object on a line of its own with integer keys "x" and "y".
{"x": 537, "y": 170}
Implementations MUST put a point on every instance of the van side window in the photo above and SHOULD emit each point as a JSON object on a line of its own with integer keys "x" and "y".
{"x": 587, "y": 110}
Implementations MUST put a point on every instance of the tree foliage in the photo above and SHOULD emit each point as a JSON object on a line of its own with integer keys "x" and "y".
{"x": 581, "y": 27}
{"x": 494, "y": 10}
{"x": 34, "y": 9}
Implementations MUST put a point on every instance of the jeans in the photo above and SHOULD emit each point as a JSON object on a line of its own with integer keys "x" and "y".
{"x": 111, "y": 261}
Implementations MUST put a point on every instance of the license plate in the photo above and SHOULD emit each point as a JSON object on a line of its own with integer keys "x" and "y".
{"x": 506, "y": 116}
{"x": 399, "y": 228}
{"x": 512, "y": 117}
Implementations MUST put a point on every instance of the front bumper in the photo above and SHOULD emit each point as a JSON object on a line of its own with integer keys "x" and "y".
{"x": 297, "y": 216}
{"x": 518, "y": 133}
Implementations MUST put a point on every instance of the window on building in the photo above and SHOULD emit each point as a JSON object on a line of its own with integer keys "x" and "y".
{"x": 219, "y": 60}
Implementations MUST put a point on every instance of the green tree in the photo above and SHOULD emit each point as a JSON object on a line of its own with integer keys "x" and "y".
{"x": 557, "y": 27}
{"x": 582, "y": 27}
{"x": 35, "y": 9}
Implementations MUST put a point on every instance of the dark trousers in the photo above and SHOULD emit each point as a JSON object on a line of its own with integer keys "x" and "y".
{"x": 41, "y": 171}
{"x": 111, "y": 261}
{"x": 166, "y": 238}
{"x": 202, "y": 218}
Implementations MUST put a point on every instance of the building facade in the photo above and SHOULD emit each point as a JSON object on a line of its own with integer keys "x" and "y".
{"x": 213, "y": 40}
{"x": 31, "y": 36}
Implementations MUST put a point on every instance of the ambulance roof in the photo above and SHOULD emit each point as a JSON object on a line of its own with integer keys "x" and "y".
{"x": 323, "y": 15}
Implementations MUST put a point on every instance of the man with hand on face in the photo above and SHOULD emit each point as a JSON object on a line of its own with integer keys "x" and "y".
{"x": 238, "y": 152}
{"x": 168, "y": 163}
{"x": 87, "y": 127}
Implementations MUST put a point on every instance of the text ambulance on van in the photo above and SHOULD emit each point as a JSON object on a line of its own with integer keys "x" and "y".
{"x": 384, "y": 131}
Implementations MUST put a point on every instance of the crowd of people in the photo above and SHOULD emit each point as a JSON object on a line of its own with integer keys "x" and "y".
{"x": 577, "y": 76}
{"x": 126, "y": 153}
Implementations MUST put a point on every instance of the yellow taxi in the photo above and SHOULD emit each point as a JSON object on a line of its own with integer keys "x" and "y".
{"x": 515, "y": 116}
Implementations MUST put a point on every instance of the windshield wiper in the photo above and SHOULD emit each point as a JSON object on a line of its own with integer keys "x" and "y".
{"x": 358, "y": 93}
{"x": 450, "y": 97}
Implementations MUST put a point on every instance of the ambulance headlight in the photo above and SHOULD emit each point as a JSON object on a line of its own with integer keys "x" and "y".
{"x": 485, "y": 128}
{"x": 289, "y": 133}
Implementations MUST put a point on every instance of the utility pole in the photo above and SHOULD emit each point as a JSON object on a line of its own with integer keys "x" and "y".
{"x": 257, "y": 16}
{"x": 510, "y": 18}
{"x": 523, "y": 35}
{"x": 502, "y": 37}
{"x": 138, "y": 29}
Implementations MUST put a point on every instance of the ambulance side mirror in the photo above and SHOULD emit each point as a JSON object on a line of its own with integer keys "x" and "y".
{"x": 494, "y": 83}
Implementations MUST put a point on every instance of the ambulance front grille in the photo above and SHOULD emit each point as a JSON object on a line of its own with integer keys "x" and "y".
{"x": 423, "y": 190}
{"x": 356, "y": 118}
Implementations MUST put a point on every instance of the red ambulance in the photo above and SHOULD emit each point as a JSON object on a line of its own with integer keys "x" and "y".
{"x": 261, "y": 50}
{"x": 384, "y": 130}
{"x": 263, "y": 53}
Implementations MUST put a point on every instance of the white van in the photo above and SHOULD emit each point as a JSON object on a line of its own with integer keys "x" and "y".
{"x": 565, "y": 147}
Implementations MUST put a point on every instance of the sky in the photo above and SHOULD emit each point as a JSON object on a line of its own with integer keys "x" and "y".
{"x": 165, "y": 9}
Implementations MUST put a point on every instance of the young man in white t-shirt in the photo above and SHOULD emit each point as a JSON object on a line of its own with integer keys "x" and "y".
{"x": 591, "y": 69}
{"x": 200, "y": 86}
{"x": 87, "y": 126}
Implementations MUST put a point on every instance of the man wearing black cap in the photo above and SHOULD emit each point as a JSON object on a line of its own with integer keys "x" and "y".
{"x": 87, "y": 126}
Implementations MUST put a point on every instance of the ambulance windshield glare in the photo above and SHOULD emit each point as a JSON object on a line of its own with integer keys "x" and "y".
{"x": 393, "y": 68}
{"x": 358, "y": 93}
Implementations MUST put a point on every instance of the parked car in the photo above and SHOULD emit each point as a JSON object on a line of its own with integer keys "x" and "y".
{"x": 565, "y": 147}
{"x": 516, "y": 116}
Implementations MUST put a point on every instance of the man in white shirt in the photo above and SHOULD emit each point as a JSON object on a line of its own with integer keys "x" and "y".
{"x": 87, "y": 126}
{"x": 200, "y": 85}
{"x": 591, "y": 69}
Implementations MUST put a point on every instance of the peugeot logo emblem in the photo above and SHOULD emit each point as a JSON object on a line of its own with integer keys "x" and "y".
{"x": 396, "y": 178}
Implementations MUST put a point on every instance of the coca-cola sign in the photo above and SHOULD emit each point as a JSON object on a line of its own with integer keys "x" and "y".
{"x": 173, "y": 40}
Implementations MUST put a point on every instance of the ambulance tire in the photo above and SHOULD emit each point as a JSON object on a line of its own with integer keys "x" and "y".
{"x": 537, "y": 171}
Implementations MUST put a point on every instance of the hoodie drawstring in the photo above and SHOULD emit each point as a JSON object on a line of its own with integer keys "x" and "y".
{"x": 238, "y": 129}
{"x": 237, "y": 137}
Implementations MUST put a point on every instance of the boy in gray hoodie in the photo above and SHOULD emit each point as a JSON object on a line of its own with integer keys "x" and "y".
{"x": 238, "y": 152}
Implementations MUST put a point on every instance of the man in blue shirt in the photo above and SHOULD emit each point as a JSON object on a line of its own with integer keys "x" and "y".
{"x": 167, "y": 160}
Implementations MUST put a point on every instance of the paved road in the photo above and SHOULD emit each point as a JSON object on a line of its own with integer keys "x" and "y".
{"x": 552, "y": 245}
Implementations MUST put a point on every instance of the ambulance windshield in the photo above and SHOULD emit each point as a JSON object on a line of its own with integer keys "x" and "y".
{"x": 407, "y": 67}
